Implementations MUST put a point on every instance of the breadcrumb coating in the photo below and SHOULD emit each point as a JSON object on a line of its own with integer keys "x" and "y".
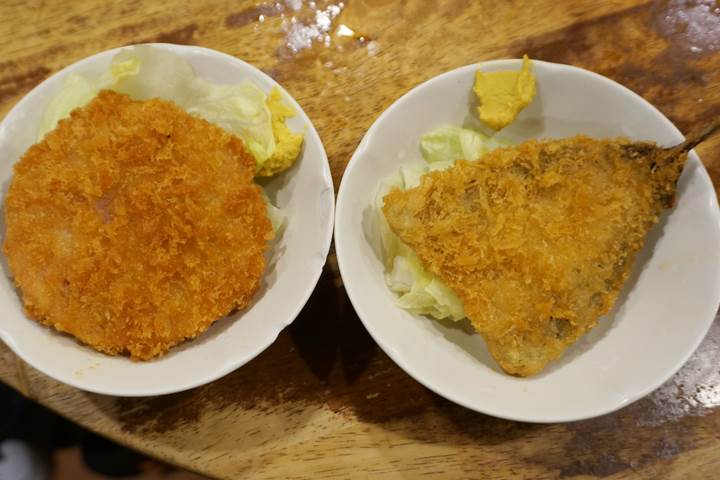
{"x": 537, "y": 240}
{"x": 134, "y": 226}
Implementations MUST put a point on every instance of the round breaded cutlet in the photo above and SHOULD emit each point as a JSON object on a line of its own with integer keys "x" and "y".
{"x": 134, "y": 226}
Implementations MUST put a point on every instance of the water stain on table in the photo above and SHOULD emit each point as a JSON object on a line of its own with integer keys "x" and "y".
{"x": 693, "y": 26}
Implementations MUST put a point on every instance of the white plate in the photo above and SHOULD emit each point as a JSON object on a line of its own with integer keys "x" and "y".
{"x": 304, "y": 193}
{"x": 661, "y": 317}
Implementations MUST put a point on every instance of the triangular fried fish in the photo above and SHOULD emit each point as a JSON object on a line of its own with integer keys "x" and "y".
{"x": 537, "y": 240}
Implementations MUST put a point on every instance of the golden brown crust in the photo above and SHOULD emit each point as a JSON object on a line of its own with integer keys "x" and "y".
{"x": 536, "y": 240}
{"x": 134, "y": 226}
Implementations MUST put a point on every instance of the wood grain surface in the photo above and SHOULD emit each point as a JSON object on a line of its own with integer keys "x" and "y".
{"x": 324, "y": 401}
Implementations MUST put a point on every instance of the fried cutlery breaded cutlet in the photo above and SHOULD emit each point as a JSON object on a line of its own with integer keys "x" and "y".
{"x": 538, "y": 239}
{"x": 134, "y": 226}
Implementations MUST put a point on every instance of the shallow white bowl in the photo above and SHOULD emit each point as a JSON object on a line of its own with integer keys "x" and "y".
{"x": 304, "y": 193}
{"x": 662, "y": 315}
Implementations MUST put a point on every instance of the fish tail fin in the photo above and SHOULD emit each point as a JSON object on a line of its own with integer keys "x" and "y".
{"x": 694, "y": 138}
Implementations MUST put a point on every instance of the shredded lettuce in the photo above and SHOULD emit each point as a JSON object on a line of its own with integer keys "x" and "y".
{"x": 145, "y": 72}
{"x": 276, "y": 216}
{"x": 419, "y": 291}
{"x": 75, "y": 92}
{"x": 447, "y": 144}
{"x": 451, "y": 143}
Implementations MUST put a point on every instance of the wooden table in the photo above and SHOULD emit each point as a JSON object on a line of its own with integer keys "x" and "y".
{"x": 324, "y": 401}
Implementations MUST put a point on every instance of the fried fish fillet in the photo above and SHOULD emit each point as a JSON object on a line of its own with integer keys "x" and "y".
{"x": 133, "y": 226}
{"x": 537, "y": 240}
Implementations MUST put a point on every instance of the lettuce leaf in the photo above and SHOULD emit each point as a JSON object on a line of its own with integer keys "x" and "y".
{"x": 419, "y": 291}
{"x": 447, "y": 144}
{"x": 276, "y": 216}
{"x": 76, "y": 91}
